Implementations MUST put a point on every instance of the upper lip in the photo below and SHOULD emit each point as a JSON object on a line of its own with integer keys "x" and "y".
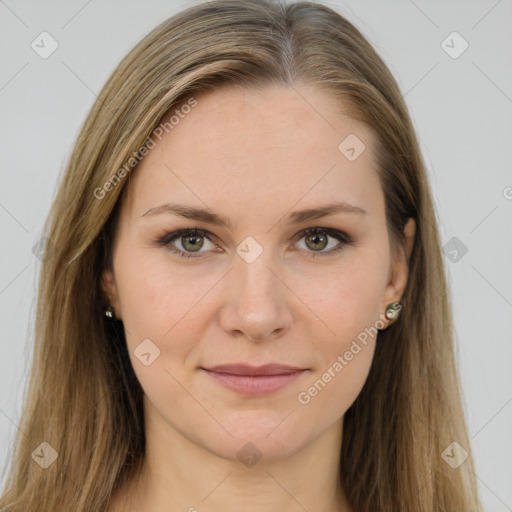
{"x": 244, "y": 369}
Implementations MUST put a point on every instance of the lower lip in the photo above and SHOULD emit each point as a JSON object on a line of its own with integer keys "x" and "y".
{"x": 255, "y": 384}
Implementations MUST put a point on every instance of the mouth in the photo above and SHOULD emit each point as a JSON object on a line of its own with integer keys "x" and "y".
{"x": 252, "y": 380}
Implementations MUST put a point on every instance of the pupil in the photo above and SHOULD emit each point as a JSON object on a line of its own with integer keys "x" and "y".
{"x": 192, "y": 240}
{"x": 318, "y": 238}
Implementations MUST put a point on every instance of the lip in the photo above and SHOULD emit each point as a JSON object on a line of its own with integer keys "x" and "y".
{"x": 245, "y": 369}
{"x": 254, "y": 380}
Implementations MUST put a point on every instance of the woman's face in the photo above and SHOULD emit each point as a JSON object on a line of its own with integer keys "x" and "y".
{"x": 256, "y": 290}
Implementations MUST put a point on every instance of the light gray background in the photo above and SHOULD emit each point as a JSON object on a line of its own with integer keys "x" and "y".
{"x": 462, "y": 111}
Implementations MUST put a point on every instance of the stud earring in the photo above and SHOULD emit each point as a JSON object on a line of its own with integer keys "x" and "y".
{"x": 393, "y": 311}
{"x": 110, "y": 312}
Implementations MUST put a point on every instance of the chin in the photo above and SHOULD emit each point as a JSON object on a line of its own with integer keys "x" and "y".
{"x": 267, "y": 436}
{"x": 252, "y": 450}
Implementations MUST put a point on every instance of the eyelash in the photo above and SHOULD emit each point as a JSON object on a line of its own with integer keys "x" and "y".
{"x": 166, "y": 240}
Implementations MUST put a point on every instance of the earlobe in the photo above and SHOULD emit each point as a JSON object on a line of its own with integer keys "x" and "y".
{"x": 400, "y": 269}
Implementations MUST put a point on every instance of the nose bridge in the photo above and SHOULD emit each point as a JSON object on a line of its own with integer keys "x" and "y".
{"x": 254, "y": 281}
{"x": 255, "y": 302}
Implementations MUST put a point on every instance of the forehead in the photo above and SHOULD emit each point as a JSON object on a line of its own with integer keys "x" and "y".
{"x": 257, "y": 149}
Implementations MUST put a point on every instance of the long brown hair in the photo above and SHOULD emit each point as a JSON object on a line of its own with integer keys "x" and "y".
{"x": 83, "y": 398}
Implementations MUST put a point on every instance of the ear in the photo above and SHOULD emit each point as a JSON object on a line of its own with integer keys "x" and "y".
{"x": 109, "y": 286}
{"x": 400, "y": 267}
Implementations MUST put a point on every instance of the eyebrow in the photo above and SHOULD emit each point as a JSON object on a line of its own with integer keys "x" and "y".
{"x": 296, "y": 217}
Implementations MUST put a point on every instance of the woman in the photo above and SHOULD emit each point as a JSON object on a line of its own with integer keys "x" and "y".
{"x": 245, "y": 305}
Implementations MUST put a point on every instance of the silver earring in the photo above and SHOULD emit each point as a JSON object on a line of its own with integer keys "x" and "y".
{"x": 393, "y": 311}
{"x": 110, "y": 312}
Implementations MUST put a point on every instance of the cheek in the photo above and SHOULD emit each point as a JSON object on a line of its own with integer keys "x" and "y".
{"x": 171, "y": 307}
{"x": 348, "y": 302}
{"x": 156, "y": 296}
{"x": 162, "y": 308}
{"x": 346, "y": 298}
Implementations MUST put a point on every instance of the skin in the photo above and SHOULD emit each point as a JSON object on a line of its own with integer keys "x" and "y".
{"x": 252, "y": 157}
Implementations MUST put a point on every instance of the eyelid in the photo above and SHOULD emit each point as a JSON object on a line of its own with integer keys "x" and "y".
{"x": 168, "y": 238}
{"x": 343, "y": 238}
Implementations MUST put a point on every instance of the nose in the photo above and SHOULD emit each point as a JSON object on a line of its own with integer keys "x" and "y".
{"x": 257, "y": 304}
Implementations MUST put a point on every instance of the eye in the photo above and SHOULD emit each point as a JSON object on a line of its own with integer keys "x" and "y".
{"x": 317, "y": 239}
{"x": 193, "y": 240}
